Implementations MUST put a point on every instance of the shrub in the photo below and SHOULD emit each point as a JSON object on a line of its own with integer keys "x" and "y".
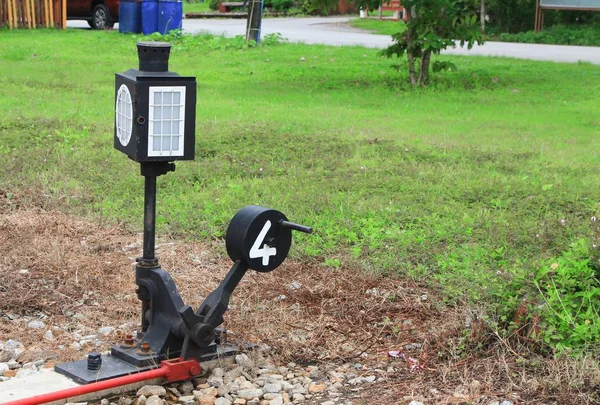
{"x": 214, "y": 4}
{"x": 282, "y": 5}
{"x": 570, "y": 289}
{"x": 558, "y": 35}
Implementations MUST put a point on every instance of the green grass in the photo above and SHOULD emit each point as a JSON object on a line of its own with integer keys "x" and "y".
{"x": 472, "y": 184}
{"x": 196, "y": 7}
{"x": 383, "y": 27}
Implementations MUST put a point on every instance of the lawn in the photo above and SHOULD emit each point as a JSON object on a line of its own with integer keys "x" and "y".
{"x": 202, "y": 7}
{"x": 472, "y": 185}
{"x": 382, "y": 27}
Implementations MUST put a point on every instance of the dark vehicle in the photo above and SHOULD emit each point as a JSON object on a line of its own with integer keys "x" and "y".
{"x": 100, "y": 14}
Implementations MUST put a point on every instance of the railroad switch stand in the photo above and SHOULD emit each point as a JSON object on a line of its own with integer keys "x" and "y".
{"x": 154, "y": 125}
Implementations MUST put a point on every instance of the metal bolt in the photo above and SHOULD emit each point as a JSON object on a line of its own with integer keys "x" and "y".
{"x": 129, "y": 340}
{"x": 94, "y": 361}
{"x": 145, "y": 347}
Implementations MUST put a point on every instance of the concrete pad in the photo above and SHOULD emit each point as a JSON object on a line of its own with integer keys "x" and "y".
{"x": 48, "y": 381}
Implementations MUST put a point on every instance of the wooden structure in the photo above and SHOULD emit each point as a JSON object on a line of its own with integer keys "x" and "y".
{"x": 396, "y": 7}
{"x": 391, "y": 5}
{"x": 225, "y": 7}
{"x": 542, "y": 5}
{"x": 33, "y": 14}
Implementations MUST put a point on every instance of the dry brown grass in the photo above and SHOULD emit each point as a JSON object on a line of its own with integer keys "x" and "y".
{"x": 336, "y": 316}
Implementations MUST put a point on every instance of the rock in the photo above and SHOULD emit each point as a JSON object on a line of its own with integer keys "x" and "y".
{"x": 239, "y": 401}
{"x": 297, "y": 397}
{"x": 244, "y": 361}
{"x": 413, "y": 346}
{"x": 250, "y": 393}
{"x": 206, "y": 392}
{"x": 415, "y": 403}
{"x": 186, "y": 388}
{"x": 125, "y": 401}
{"x": 48, "y": 335}
{"x": 222, "y": 401}
{"x": 11, "y": 350}
{"x": 216, "y": 377}
{"x": 79, "y": 316}
{"x": 231, "y": 375}
{"x": 224, "y": 390}
{"x": 185, "y": 399}
{"x": 141, "y": 400}
{"x": 13, "y": 364}
{"x": 276, "y": 401}
{"x": 154, "y": 400}
{"x": 207, "y": 400}
{"x": 272, "y": 387}
{"x": 356, "y": 381}
{"x": 106, "y": 330}
{"x": 4, "y": 367}
{"x": 269, "y": 396}
{"x": 328, "y": 403}
{"x": 149, "y": 390}
{"x": 506, "y": 402}
{"x": 105, "y": 402}
{"x": 317, "y": 387}
{"x": 36, "y": 325}
{"x": 294, "y": 285}
{"x": 369, "y": 378}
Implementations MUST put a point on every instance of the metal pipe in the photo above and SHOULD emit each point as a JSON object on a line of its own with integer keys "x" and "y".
{"x": 149, "y": 218}
{"x": 89, "y": 388}
{"x": 170, "y": 370}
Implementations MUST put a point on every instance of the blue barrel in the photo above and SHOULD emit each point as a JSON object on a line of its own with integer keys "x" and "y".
{"x": 170, "y": 16}
{"x": 130, "y": 20}
{"x": 149, "y": 16}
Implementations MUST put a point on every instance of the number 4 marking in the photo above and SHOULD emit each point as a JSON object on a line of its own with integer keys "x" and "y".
{"x": 266, "y": 251}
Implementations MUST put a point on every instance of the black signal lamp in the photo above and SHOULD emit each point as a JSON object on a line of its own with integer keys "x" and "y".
{"x": 155, "y": 109}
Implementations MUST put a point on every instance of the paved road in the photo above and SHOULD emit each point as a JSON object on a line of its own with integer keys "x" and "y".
{"x": 334, "y": 31}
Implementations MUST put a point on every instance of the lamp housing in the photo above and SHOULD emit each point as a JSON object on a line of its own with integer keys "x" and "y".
{"x": 155, "y": 109}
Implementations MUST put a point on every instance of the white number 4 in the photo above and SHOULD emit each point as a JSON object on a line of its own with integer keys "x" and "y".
{"x": 266, "y": 251}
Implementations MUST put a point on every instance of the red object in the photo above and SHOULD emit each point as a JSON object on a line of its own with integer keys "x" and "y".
{"x": 171, "y": 370}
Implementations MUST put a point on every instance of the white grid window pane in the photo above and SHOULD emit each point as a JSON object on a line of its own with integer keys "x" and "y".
{"x": 123, "y": 115}
{"x": 166, "y": 121}
{"x": 156, "y": 144}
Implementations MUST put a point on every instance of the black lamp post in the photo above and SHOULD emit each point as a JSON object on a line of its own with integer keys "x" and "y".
{"x": 155, "y": 119}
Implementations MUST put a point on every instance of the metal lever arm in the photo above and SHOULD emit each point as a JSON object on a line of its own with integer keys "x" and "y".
{"x": 215, "y": 305}
{"x": 201, "y": 324}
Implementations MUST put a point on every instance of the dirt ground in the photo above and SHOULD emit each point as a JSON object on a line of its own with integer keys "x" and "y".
{"x": 78, "y": 275}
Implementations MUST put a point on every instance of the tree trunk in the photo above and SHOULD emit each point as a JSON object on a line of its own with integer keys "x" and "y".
{"x": 411, "y": 69}
{"x": 482, "y": 16}
{"x": 424, "y": 68}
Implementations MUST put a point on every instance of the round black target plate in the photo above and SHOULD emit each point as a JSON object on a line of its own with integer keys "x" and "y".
{"x": 255, "y": 237}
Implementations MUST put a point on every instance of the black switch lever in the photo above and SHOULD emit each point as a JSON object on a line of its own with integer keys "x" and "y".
{"x": 295, "y": 227}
